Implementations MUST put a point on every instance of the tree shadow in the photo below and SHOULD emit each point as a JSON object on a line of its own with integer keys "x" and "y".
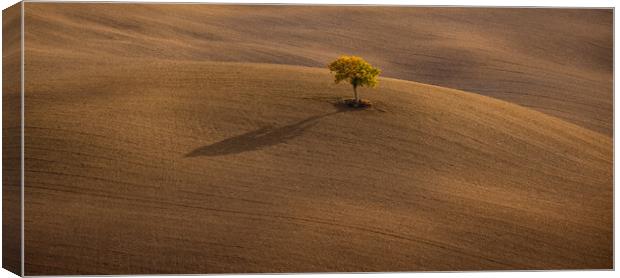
{"x": 263, "y": 137}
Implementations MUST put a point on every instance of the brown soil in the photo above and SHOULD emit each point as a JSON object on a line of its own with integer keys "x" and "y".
{"x": 175, "y": 139}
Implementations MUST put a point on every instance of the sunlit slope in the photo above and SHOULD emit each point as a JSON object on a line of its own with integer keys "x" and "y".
{"x": 558, "y": 61}
{"x": 196, "y": 167}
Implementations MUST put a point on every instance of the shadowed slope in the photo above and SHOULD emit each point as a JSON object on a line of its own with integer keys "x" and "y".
{"x": 260, "y": 138}
{"x": 558, "y": 61}
{"x": 440, "y": 180}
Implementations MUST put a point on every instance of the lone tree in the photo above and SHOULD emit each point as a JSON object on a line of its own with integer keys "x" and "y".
{"x": 356, "y": 71}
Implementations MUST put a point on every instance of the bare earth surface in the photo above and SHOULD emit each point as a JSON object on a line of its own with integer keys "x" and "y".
{"x": 208, "y": 139}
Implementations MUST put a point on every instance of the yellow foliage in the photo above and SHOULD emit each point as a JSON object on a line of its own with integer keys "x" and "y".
{"x": 354, "y": 70}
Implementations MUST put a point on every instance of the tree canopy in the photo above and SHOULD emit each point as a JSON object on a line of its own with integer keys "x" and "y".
{"x": 354, "y": 70}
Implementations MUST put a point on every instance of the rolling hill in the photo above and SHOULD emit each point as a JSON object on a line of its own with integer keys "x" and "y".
{"x": 558, "y": 61}
{"x": 208, "y": 167}
{"x": 149, "y": 149}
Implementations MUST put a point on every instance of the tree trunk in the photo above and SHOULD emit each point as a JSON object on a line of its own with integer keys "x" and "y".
{"x": 357, "y": 99}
